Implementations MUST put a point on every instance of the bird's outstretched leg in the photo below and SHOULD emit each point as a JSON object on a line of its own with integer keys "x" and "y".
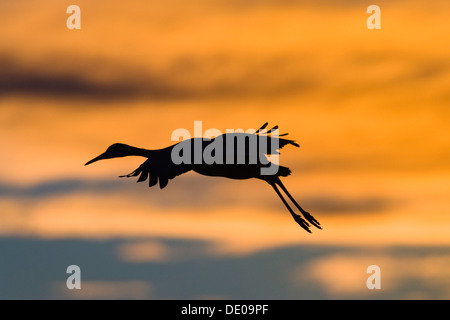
{"x": 306, "y": 214}
{"x": 296, "y": 217}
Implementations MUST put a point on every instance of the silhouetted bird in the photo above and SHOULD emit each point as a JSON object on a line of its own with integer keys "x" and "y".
{"x": 228, "y": 157}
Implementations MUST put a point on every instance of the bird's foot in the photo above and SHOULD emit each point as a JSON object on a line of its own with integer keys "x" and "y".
{"x": 302, "y": 223}
{"x": 311, "y": 219}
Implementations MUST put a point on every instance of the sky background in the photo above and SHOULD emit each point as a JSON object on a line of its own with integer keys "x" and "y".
{"x": 369, "y": 108}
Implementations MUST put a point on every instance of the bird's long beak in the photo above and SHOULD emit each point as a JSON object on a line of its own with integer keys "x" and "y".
{"x": 100, "y": 157}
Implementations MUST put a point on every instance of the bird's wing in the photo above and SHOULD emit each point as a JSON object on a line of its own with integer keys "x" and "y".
{"x": 159, "y": 167}
{"x": 266, "y": 143}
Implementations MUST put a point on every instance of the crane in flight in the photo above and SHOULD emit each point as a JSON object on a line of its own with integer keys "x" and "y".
{"x": 248, "y": 160}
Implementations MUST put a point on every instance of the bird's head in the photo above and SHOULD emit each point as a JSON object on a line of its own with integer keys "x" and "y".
{"x": 116, "y": 150}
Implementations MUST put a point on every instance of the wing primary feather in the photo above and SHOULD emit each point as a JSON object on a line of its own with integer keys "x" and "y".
{"x": 273, "y": 129}
{"x": 153, "y": 179}
{"x": 163, "y": 182}
{"x": 262, "y": 127}
{"x": 143, "y": 176}
{"x": 132, "y": 174}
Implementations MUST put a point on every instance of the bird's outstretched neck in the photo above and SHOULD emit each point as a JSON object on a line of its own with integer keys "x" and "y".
{"x": 119, "y": 150}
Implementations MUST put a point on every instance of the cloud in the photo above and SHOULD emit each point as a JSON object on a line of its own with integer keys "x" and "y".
{"x": 334, "y": 204}
{"x": 153, "y": 251}
{"x": 185, "y": 77}
{"x": 411, "y": 275}
{"x": 288, "y": 272}
{"x": 193, "y": 192}
{"x": 56, "y": 80}
{"x": 55, "y": 188}
{"x": 167, "y": 250}
{"x": 104, "y": 290}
